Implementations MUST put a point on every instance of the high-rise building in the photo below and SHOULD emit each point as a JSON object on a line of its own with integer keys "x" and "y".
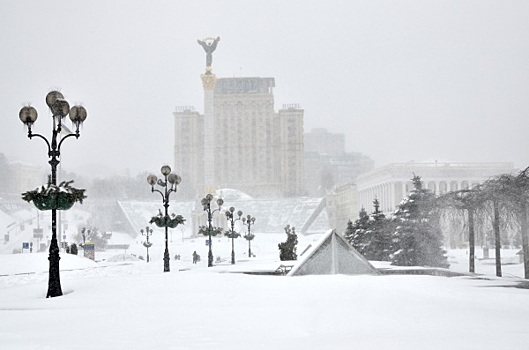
{"x": 323, "y": 142}
{"x": 327, "y": 163}
{"x": 240, "y": 141}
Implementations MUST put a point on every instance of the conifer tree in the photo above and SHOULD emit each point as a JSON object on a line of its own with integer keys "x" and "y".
{"x": 73, "y": 249}
{"x": 287, "y": 250}
{"x": 418, "y": 233}
{"x": 355, "y": 232}
{"x": 379, "y": 236}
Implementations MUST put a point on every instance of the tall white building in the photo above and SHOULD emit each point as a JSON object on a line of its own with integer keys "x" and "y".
{"x": 240, "y": 141}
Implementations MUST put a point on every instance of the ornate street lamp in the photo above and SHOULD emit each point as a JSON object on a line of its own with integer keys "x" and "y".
{"x": 249, "y": 221}
{"x": 206, "y": 203}
{"x": 169, "y": 184}
{"x": 147, "y": 233}
{"x": 232, "y": 234}
{"x": 60, "y": 108}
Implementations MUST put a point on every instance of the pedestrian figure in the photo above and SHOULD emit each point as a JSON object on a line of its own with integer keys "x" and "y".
{"x": 195, "y": 257}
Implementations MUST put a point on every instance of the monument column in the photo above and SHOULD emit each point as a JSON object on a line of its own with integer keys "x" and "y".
{"x": 208, "y": 82}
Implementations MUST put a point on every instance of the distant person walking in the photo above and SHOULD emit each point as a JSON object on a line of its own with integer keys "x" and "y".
{"x": 195, "y": 257}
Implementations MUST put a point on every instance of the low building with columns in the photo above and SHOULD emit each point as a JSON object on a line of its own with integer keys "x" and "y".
{"x": 391, "y": 183}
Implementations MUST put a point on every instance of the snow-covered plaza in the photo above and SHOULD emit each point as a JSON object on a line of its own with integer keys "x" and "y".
{"x": 119, "y": 303}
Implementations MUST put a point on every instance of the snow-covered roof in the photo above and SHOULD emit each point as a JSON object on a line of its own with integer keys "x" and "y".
{"x": 272, "y": 215}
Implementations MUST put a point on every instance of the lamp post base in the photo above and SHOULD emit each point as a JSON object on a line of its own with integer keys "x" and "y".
{"x": 210, "y": 254}
{"x": 166, "y": 260}
{"x": 210, "y": 259}
{"x": 54, "y": 281}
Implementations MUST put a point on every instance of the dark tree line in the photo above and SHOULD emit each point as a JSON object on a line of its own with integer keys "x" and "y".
{"x": 412, "y": 235}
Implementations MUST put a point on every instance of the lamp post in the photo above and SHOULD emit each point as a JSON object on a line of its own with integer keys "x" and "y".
{"x": 206, "y": 203}
{"x": 60, "y": 108}
{"x": 147, "y": 233}
{"x": 231, "y": 218}
{"x": 249, "y": 221}
{"x": 169, "y": 185}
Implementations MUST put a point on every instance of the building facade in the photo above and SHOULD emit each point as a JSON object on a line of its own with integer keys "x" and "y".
{"x": 240, "y": 142}
{"x": 24, "y": 177}
{"x": 391, "y": 183}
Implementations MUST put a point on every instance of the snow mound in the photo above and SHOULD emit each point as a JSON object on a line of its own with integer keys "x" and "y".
{"x": 12, "y": 264}
{"x": 122, "y": 257}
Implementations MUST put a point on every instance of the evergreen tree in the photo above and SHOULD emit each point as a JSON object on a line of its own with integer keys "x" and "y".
{"x": 378, "y": 237}
{"x": 287, "y": 249}
{"x": 356, "y": 233}
{"x": 73, "y": 249}
{"x": 204, "y": 230}
{"x": 418, "y": 233}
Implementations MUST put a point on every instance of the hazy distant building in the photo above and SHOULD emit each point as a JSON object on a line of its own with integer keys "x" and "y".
{"x": 240, "y": 141}
{"x": 391, "y": 183}
{"x": 327, "y": 163}
{"x": 323, "y": 142}
{"x": 24, "y": 177}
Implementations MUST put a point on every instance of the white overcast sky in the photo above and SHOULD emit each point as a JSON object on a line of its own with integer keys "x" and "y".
{"x": 403, "y": 80}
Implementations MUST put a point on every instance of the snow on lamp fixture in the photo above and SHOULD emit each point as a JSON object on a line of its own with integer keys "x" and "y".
{"x": 169, "y": 184}
{"x": 44, "y": 200}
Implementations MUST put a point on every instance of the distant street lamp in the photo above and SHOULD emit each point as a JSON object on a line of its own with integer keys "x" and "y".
{"x": 249, "y": 221}
{"x": 147, "y": 233}
{"x": 232, "y": 234}
{"x": 169, "y": 184}
{"x": 206, "y": 203}
{"x": 60, "y": 108}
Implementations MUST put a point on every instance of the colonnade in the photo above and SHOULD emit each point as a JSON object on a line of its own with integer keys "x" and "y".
{"x": 391, "y": 193}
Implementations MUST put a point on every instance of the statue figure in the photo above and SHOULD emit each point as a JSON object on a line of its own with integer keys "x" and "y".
{"x": 209, "y": 45}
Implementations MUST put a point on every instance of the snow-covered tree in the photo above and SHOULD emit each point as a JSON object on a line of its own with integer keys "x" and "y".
{"x": 418, "y": 233}
{"x": 355, "y": 232}
{"x": 379, "y": 236}
{"x": 509, "y": 198}
{"x": 73, "y": 249}
{"x": 287, "y": 249}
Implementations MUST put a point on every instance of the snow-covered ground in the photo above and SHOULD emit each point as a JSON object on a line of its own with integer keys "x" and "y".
{"x": 134, "y": 305}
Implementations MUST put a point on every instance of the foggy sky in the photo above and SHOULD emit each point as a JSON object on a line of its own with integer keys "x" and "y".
{"x": 404, "y": 80}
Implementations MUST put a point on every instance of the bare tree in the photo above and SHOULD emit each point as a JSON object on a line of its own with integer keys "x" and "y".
{"x": 468, "y": 200}
{"x": 515, "y": 196}
{"x": 509, "y": 198}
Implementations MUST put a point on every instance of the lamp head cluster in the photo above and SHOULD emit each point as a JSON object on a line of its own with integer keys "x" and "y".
{"x": 206, "y": 201}
{"x": 147, "y": 231}
{"x": 230, "y": 216}
{"x": 248, "y": 220}
{"x": 171, "y": 178}
{"x": 59, "y": 107}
